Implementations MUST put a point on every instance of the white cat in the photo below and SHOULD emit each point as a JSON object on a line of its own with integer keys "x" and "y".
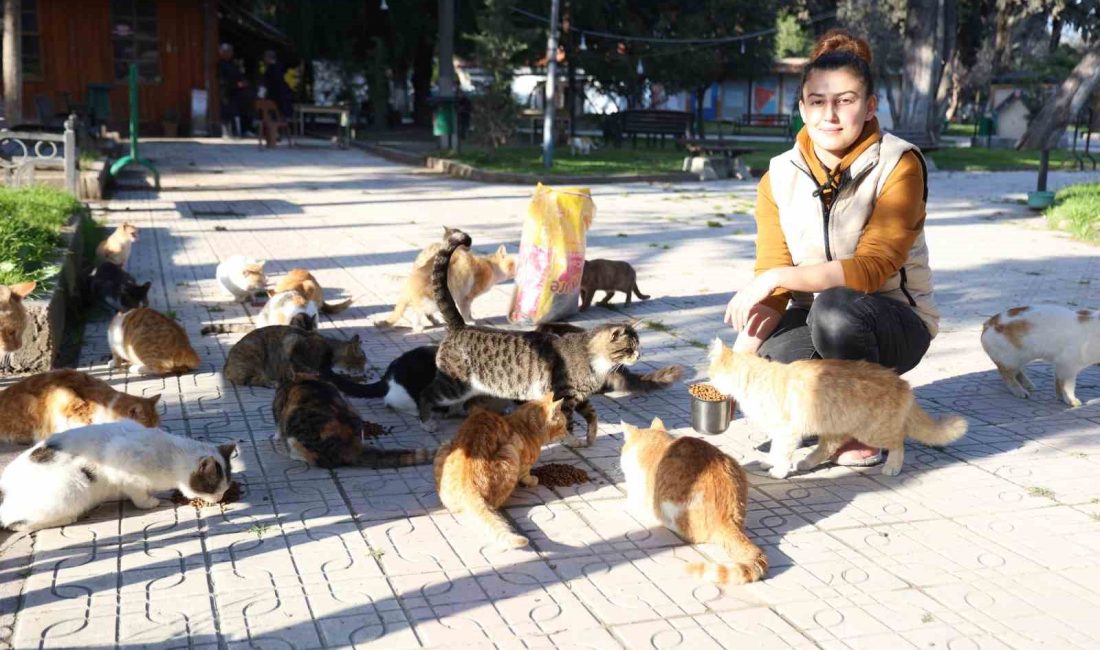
{"x": 241, "y": 276}
{"x": 581, "y": 143}
{"x": 1068, "y": 339}
{"x": 282, "y": 307}
{"x": 57, "y": 480}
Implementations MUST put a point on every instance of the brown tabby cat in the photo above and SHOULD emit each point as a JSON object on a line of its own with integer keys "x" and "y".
{"x": 690, "y": 487}
{"x": 116, "y": 248}
{"x": 837, "y": 399}
{"x": 43, "y": 404}
{"x": 303, "y": 282}
{"x": 150, "y": 342}
{"x": 321, "y": 429}
{"x": 468, "y": 277}
{"x": 520, "y": 365}
{"x": 490, "y": 454}
{"x": 13, "y": 315}
{"x": 268, "y": 355}
{"x": 609, "y": 276}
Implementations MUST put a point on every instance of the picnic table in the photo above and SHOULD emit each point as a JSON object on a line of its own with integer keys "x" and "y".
{"x": 345, "y": 132}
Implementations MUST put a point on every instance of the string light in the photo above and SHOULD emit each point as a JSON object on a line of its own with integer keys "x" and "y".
{"x": 384, "y": 6}
{"x": 584, "y": 45}
{"x": 641, "y": 68}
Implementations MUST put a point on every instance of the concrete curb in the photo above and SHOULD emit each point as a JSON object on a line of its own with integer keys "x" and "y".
{"x": 471, "y": 173}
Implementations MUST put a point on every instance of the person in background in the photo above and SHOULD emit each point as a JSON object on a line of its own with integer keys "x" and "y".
{"x": 276, "y": 88}
{"x": 233, "y": 87}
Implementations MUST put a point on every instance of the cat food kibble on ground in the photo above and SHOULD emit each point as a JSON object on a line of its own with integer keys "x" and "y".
{"x": 706, "y": 392}
{"x": 231, "y": 495}
{"x": 373, "y": 429}
{"x": 559, "y": 475}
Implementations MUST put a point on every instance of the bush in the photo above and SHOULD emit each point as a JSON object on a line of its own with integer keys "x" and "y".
{"x": 1077, "y": 209}
{"x": 30, "y": 232}
{"x": 493, "y": 122}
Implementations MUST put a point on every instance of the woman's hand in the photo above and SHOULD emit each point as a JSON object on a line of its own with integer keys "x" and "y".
{"x": 739, "y": 307}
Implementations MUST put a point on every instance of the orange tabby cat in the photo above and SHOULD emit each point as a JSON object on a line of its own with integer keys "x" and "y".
{"x": 468, "y": 277}
{"x": 689, "y": 486}
{"x": 44, "y": 404}
{"x": 478, "y": 470}
{"x": 837, "y": 399}
{"x": 150, "y": 342}
{"x": 116, "y": 248}
{"x": 303, "y": 282}
{"x": 13, "y": 315}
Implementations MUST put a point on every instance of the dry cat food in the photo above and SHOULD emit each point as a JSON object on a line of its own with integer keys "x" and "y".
{"x": 373, "y": 429}
{"x": 231, "y": 495}
{"x": 706, "y": 392}
{"x": 559, "y": 475}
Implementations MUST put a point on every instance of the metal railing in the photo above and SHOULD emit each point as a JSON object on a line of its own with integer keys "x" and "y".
{"x": 21, "y": 152}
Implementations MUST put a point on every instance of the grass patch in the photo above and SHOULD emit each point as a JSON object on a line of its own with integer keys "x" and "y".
{"x": 258, "y": 530}
{"x": 213, "y": 309}
{"x": 171, "y": 313}
{"x": 1035, "y": 491}
{"x": 658, "y": 326}
{"x": 714, "y": 224}
{"x": 980, "y": 159}
{"x": 1077, "y": 209}
{"x": 31, "y": 219}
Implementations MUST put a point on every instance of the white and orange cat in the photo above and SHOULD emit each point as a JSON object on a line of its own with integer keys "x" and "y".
{"x": 468, "y": 277}
{"x": 241, "y": 276}
{"x": 150, "y": 342}
{"x": 116, "y": 248}
{"x": 13, "y": 315}
{"x": 303, "y": 282}
{"x": 490, "y": 454}
{"x": 1067, "y": 338}
{"x": 690, "y": 487}
{"x": 836, "y": 399}
{"x": 41, "y": 405}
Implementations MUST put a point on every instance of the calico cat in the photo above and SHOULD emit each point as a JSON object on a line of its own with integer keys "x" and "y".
{"x": 241, "y": 276}
{"x": 281, "y": 309}
{"x": 150, "y": 342}
{"x": 689, "y": 486}
{"x": 13, "y": 314}
{"x": 1067, "y": 338}
{"x": 468, "y": 277}
{"x": 268, "y": 355}
{"x": 116, "y": 248}
{"x": 520, "y": 365}
{"x": 837, "y": 399}
{"x": 609, "y": 276}
{"x": 56, "y": 481}
{"x": 43, "y": 404}
{"x": 303, "y": 282}
{"x": 113, "y": 286}
{"x": 490, "y": 454}
{"x": 321, "y": 429}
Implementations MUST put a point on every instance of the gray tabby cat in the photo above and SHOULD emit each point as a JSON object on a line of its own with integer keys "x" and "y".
{"x": 520, "y": 365}
{"x": 268, "y": 355}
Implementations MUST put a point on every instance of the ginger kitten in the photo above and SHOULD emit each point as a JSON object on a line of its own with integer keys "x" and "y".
{"x": 1066, "y": 338}
{"x": 43, "y": 404}
{"x": 150, "y": 342}
{"x": 13, "y": 315}
{"x": 490, "y": 454}
{"x": 116, "y": 248}
{"x": 468, "y": 277}
{"x": 303, "y": 282}
{"x": 690, "y": 487}
{"x": 836, "y": 399}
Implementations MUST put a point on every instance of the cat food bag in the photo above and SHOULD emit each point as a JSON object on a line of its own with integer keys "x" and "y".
{"x": 551, "y": 255}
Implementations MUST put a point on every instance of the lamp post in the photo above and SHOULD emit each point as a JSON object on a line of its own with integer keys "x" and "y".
{"x": 551, "y": 83}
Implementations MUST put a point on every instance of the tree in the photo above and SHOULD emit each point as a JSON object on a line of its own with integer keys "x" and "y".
{"x": 881, "y": 24}
{"x": 496, "y": 45}
{"x": 925, "y": 47}
{"x": 791, "y": 37}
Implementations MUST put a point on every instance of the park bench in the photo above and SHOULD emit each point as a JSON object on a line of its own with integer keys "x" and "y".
{"x": 652, "y": 124}
{"x": 780, "y": 123}
{"x": 922, "y": 139}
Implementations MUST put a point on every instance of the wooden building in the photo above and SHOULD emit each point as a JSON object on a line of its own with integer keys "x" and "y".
{"x": 76, "y": 55}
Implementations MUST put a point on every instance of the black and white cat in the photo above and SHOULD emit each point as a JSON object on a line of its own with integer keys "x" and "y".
{"x": 113, "y": 286}
{"x": 59, "y": 479}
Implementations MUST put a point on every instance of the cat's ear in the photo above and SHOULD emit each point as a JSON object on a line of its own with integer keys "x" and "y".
{"x": 145, "y": 287}
{"x": 355, "y": 339}
{"x": 502, "y": 252}
{"x": 154, "y": 399}
{"x": 227, "y": 450}
{"x": 658, "y": 424}
{"x": 260, "y": 263}
{"x": 629, "y": 430}
{"x": 717, "y": 349}
{"x": 619, "y": 331}
{"x": 23, "y": 289}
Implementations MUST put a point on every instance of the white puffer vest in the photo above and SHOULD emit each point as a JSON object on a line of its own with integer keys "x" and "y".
{"x": 815, "y": 235}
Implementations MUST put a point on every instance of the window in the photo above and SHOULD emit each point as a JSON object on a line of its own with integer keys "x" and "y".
{"x": 134, "y": 39}
{"x": 32, "y": 48}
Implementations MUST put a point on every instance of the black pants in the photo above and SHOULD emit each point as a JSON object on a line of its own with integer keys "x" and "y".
{"x": 846, "y": 324}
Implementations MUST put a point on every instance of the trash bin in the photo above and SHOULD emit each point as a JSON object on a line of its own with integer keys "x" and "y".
{"x": 443, "y": 118}
{"x": 986, "y": 126}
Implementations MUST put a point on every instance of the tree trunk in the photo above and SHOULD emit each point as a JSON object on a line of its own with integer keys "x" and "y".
{"x": 422, "y": 82}
{"x": 921, "y": 69}
{"x": 13, "y": 62}
{"x": 700, "y": 96}
{"x": 1046, "y": 128}
{"x": 946, "y": 61}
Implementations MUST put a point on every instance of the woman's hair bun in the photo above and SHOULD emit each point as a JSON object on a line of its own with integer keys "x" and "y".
{"x": 838, "y": 40}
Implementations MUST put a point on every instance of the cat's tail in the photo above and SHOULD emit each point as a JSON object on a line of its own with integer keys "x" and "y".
{"x": 396, "y": 314}
{"x": 748, "y": 562}
{"x": 493, "y": 523}
{"x": 623, "y": 380}
{"x": 335, "y": 307}
{"x": 637, "y": 292}
{"x": 444, "y": 301}
{"x": 227, "y": 328}
{"x": 354, "y": 388}
{"x": 937, "y": 433}
{"x": 183, "y": 361}
{"x": 376, "y": 458}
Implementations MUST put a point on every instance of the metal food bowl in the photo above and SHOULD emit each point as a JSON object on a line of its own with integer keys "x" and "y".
{"x": 711, "y": 417}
